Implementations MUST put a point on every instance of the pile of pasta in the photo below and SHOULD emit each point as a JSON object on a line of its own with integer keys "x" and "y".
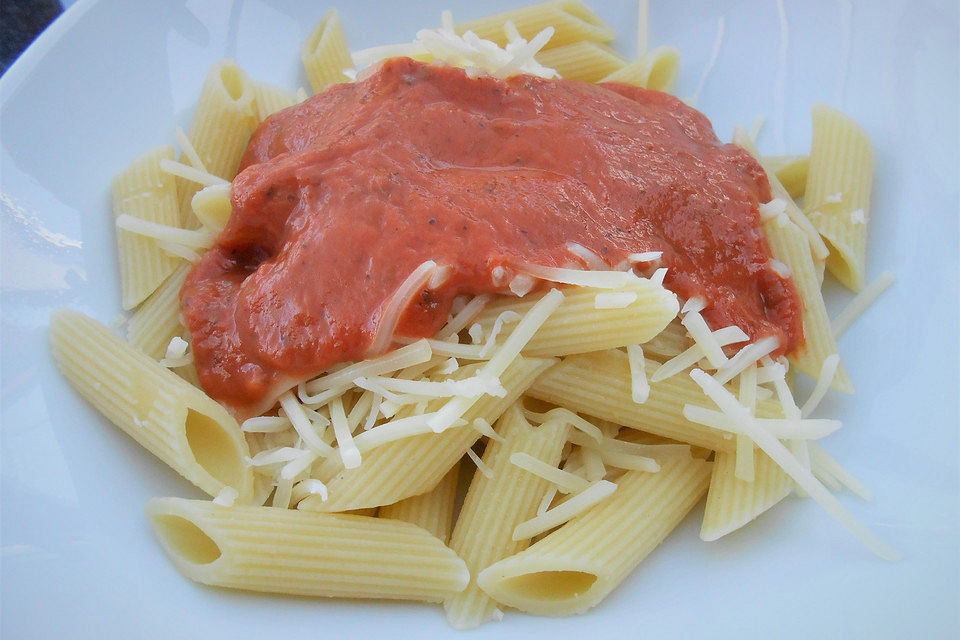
{"x": 585, "y": 419}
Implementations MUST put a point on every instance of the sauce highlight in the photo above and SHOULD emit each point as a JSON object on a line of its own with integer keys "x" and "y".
{"x": 341, "y": 197}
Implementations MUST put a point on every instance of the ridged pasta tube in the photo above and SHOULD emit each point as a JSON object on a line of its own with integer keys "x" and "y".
{"x": 598, "y": 384}
{"x": 310, "y": 554}
{"x": 837, "y": 198}
{"x": 573, "y": 21}
{"x": 585, "y": 60}
{"x": 157, "y": 320}
{"x": 791, "y": 246}
{"x": 168, "y": 416}
{"x": 144, "y": 191}
{"x": 220, "y": 128}
{"x": 268, "y": 99}
{"x": 655, "y": 70}
{"x": 577, "y": 326}
{"x": 432, "y": 510}
{"x": 579, "y": 564}
{"x": 414, "y": 465}
{"x": 325, "y": 53}
{"x": 494, "y": 506}
{"x": 791, "y": 171}
{"x": 732, "y": 503}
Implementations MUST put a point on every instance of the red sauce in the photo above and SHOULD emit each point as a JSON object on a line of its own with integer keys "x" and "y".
{"x": 341, "y": 197}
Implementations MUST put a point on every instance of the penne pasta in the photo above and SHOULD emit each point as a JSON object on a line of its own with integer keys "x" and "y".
{"x": 733, "y": 503}
{"x": 268, "y": 99}
{"x": 791, "y": 246}
{"x": 495, "y": 505}
{"x": 221, "y": 125}
{"x": 310, "y": 554}
{"x": 145, "y": 192}
{"x": 577, "y": 326}
{"x": 584, "y": 60}
{"x": 598, "y": 384}
{"x": 325, "y": 54}
{"x": 157, "y": 320}
{"x": 572, "y": 21}
{"x": 655, "y": 70}
{"x": 791, "y": 171}
{"x": 432, "y": 510}
{"x": 575, "y": 567}
{"x": 414, "y": 465}
{"x": 837, "y": 197}
{"x": 172, "y": 419}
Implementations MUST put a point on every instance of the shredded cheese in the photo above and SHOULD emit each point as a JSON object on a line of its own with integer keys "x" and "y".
{"x": 746, "y": 357}
{"x": 589, "y": 258}
{"x": 265, "y": 424}
{"x": 398, "y": 302}
{"x": 521, "y": 284}
{"x": 161, "y": 232}
{"x": 349, "y": 453}
{"x": 565, "y": 481}
{"x": 502, "y": 357}
{"x": 464, "y": 316}
{"x": 302, "y": 424}
{"x": 614, "y": 300}
{"x": 646, "y": 256}
{"x": 580, "y": 502}
{"x": 792, "y": 428}
{"x": 481, "y": 465}
{"x": 580, "y": 278}
{"x": 777, "y": 452}
{"x": 828, "y": 372}
{"x": 416, "y": 353}
{"x": 485, "y": 428}
{"x": 226, "y": 497}
{"x": 692, "y": 355}
{"x": 193, "y": 174}
{"x": 639, "y": 386}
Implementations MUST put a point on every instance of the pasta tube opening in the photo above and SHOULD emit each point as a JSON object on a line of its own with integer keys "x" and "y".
{"x": 216, "y": 450}
{"x": 233, "y": 81}
{"x": 541, "y": 589}
{"x": 550, "y": 585}
{"x": 663, "y": 69}
{"x": 185, "y": 539}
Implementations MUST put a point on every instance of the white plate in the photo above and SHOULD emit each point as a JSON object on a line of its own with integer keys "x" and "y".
{"x": 112, "y": 78}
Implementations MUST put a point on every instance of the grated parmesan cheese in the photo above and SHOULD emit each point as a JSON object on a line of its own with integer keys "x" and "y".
{"x": 646, "y": 256}
{"x": 521, "y": 284}
{"x": 588, "y": 257}
{"x": 828, "y": 372}
{"x": 614, "y": 300}
{"x": 834, "y": 197}
{"x": 781, "y": 269}
{"x": 580, "y": 502}
{"x": 502, "y": 357}
{"x": 639, "y": 386}
{"x": 858, "y": 216}
{"x": 486, "y": 429}
{"x": 565, "y": 481}
{"x": 784, "y": 428}
{"x": 481, "y": 466}
{"x": 398, "y": 302}
{"x": 773, "y": 209}
{"x": 226, "y": 497}
{"x": 777, "y": 452}
{"x": 580, "y": 278}
{"x": 193, "y": 174}
{"x": 349, "y": 453}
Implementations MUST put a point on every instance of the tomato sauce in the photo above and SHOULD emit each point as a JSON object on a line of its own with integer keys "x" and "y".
{"x": 341, "y": 197}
